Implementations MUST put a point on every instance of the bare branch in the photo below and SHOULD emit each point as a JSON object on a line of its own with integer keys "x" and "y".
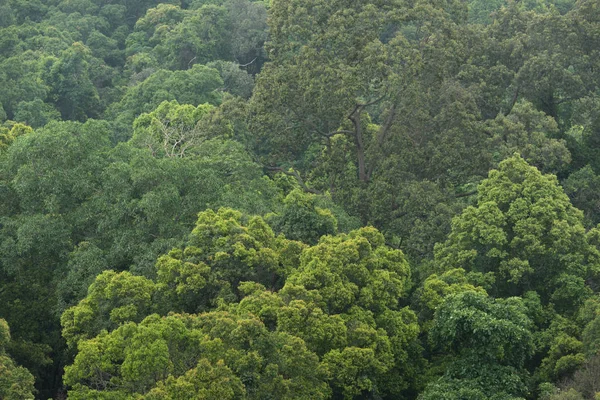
{"x": 245, "y": 65}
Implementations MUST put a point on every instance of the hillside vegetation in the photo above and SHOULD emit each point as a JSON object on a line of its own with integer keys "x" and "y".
{"x": 300, "y": 199}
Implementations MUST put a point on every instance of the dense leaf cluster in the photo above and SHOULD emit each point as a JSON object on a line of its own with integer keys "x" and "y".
{"x": 300, "y": 199}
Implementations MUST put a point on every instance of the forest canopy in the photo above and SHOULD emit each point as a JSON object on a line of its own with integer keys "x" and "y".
{"x": 300, "y": 199}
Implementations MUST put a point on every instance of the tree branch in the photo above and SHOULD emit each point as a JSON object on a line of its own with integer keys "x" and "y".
{"x": 514, "y": 100}
{"x": 245, "y": 65}
{"x": 358, "y": 140}
{"x": 467, "y": 194}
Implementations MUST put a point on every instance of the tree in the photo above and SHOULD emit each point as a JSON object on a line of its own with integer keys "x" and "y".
{"x": 36, "y": 113}
{"x": 221, "y": 252}
{"x": 436, "y": 288}
{"x": 46, "y": 176}
{"x": 71, "y": 87}
{"x": 166, "y": 357}
{"x": 362, "y": 101}
{"x": 583, "y": 188}
{"x": 343, "y": 301}
{"x": 302, "y": 219}
{"x": 489, "y": 341}
{"x": 172, "y": 130}
{"x": 238, "y": 251}
{"x": 20, "y": 75}
{"x": 195, "y": 86}
{"x": 236, "y": 81}
{"x": 112, "y": 299}
{"x": 202, "y": 36}
{"x": 202, "y": 32}
{"x": 532, "y": 134}
{"x": 343, "y": 40}
{"x": 249, "y": 33}
{"x": 15, "y": 382}
{"x": 8, "y": 136}
{"x": 72, "y": 207}
{"x": 525, "y": 232}
{"x": 339, "y": 307}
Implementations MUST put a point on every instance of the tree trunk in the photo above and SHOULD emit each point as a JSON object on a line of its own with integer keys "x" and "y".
{"x": 363, "y": 176}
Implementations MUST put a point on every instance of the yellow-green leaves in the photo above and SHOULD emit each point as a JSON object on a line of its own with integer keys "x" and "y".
{"x": 180, "y": 276}
{"x": 336, "y": 325}
{"x": 204, "y": 382}
{"x": 113, "y": 299}
{"x": 196, "y": 357}
{"x": 7, "y": 136}
{"x": 354, "y": 268}
{"x": 343, "y": 301}
{"x": 526, "y": 233}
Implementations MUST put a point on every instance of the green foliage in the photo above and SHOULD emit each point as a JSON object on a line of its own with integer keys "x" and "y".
{"x": 385, "y": 115}
{"x": 570, "y": 394}
{"x": 85, "y": 262}
{"x": 16, "y": 383}
{"x": 343, "y": 300}
{"x": 558, "y": 347}
{"x": 344, "y": 271}
{"x": 214, "y": 354}
{"x": 7, "y": 137}
{"x": 436, "y": 288}
{"x": 314, "y": 41}
{"x": 184, "y": 280}
{"x": 358, "y": 343}
{"x": 529, "y": 132}
{"x": 301, "y": 219}
{"x": 589, "y": 317}
{"x": 36, "y": 113}
{"x": 71, "y": 88}
{"x": 20, "y": 79}
{"x": 583, "y": 188}
{"x": 249, "y": 32}
{"x": 113, "y": 298}
{"x": 585, "y": 379}
{"x": 235, "y": 80}
{"x": 470, "y": 324}
{"x": 241, "y": 252}
{"x": 195, "y": 86}
{"x": 491, "y": 341}
{"x": 524, "y": 231}
{"x": 171, "y": 130}
{"x": 233, "y": 30}
{"x": 63, "y": 186}
{"x": 223, "y": 251}
{"x": 564, "y": 357}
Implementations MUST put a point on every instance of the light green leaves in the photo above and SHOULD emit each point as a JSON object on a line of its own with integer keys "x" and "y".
{"x": 525, "y": 231}
{"x": 113, "y": 298}
{"x": 207, "y": 355}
